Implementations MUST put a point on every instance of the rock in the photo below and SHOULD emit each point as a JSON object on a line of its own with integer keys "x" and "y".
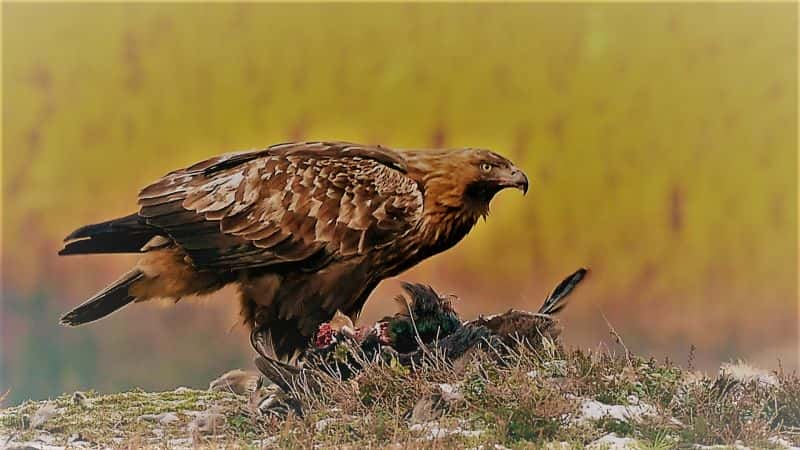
{"x": 33, "y": 446}
{"x": 42, "y": 441}
{"x": 273, "y": 401}
{"x": 43, "y": 414}
{"x": 745, "y": 373}
{"x": 592, "y": 410}
{"x": 614, "y": 442}
{"x": 323, "y": 424}
{"x": 451, "y": 393}
{"x": 427, "y": 409}
{"x": 783, "y": 443}
{"x": 432, "y": 430}
{"x": 432, "y": 407}
{"x": 81, "y": 400}
{"x": 557, "y": 446}
{"x": 209, "y": 421}
{"x": 168, "y": 418}
{"x": 267, "y": 442}
{"x": 179, "y": 443}
{"x": 238, "y": 381}
{"x": 164, "y": 418}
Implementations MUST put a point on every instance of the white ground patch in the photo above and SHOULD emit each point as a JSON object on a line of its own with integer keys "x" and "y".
{"x": 614, "y": 442}
{"x": 432, "y": 430}
{"x": 592, "y": 410}
{"x": 781, "y": 443}
{"x": 745, "y": 373}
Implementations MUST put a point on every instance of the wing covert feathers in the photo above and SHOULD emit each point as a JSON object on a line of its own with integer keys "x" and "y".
{"x": 290, "y": 203}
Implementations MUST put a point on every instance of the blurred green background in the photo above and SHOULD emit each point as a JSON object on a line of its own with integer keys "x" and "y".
{"x": 660, "y": 140}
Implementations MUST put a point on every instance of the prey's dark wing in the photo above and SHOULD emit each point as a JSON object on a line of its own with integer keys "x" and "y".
{"x": 301, "y": 203}
{"x": 556, "y": 301}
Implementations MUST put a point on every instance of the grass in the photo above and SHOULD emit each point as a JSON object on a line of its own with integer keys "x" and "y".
{"x": 529, "y": 398}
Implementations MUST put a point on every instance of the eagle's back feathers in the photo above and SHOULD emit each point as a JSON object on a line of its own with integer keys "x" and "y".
{"x": 285, "y": 204}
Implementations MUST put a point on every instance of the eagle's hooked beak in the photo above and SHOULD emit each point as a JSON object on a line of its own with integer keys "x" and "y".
{"x": 520, "y": 180}
{"x": 516, "y": 179}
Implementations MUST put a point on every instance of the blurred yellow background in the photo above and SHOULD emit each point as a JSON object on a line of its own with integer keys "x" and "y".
{"x": 660, "y": 140}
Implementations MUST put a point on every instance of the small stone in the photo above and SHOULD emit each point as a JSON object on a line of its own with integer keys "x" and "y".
{"x": 614, "y": 442}
{"x": 80, "y": 399}
{"x": 433, "y": 430}
{"x": 746, "y": 373}
{"x": 75, "y": 438}
{"x": 451, "y": 393}
{"x": 427, "y": 409}
{"x": 43, "y": 414}
{"x": 164, "y": 418}
{"x": 181, "y": 443}
{"x": 323, "y": 424}
{"x": 207, "y": 422}
{"x": 238, "y": 381}
{"x": 592, "y": 410}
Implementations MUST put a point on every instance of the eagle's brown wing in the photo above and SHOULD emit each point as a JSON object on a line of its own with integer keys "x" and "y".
{"x": 302, "y": 204}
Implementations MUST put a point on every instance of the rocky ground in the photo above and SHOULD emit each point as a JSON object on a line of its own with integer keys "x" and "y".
{"x": 528, "y": 398}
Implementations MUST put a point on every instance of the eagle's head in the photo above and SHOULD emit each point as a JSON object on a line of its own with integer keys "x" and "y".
{"x": 463, "y": 179}
{"x": 486, "y": 173}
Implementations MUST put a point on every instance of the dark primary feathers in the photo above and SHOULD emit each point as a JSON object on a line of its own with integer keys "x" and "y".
{"x": 556, "y": 301}
{"x": 104, "y": 302}
{"x": 124, "y": 235}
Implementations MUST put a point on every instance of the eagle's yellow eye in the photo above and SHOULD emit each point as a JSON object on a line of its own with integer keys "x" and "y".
{"x": 486, "y": 167}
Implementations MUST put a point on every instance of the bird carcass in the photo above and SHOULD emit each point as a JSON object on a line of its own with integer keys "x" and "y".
{"x": 426, "y": 327}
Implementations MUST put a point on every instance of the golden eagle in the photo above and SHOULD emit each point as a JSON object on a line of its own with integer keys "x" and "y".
{"x": 302, "y": 229}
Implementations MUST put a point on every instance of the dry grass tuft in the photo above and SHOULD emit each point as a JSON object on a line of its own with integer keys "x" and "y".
{"x": 517, "y": 397}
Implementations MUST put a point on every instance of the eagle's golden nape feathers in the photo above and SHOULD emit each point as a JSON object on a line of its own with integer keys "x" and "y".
{"x": 304, "y": 229}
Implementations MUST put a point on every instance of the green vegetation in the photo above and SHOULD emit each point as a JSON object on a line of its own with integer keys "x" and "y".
{"x": 527, "y": 399}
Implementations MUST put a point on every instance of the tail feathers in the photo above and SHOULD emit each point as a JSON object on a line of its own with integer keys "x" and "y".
{"x": 124, "y": 235}
{"x": 105, "y": 302}
{"x": 556, "y": 301}
{"x": 111, "y": 226}
{"x": 113, "y": 243}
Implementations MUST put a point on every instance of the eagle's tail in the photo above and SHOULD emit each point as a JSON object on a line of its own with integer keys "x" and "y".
{"x": 124, "y": 235}
{"x": 104, "y": 302}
